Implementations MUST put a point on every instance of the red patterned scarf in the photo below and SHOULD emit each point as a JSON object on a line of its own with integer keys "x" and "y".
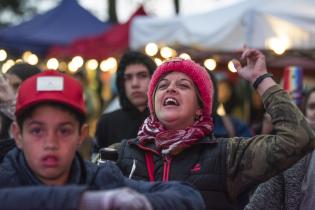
{"x": 173, "y": 141}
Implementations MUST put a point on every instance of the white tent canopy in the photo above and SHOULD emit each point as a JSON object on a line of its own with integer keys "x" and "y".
{"x": 253, "y": 22}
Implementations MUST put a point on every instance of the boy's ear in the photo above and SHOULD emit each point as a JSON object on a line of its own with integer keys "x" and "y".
{"x": 17, "y": 134}
{"x": 84, "y": 132}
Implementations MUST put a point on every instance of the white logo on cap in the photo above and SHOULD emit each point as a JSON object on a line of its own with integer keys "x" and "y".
{"x": 50, "y": 83}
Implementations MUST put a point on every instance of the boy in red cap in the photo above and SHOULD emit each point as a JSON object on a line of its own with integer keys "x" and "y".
{"x": 49, "y": 127}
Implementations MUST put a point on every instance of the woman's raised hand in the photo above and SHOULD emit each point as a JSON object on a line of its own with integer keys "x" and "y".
{"x": 255, "y": 64}
{"x": 254, "y": 70}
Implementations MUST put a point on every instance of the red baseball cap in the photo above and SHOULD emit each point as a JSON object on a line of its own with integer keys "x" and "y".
{"x": 50, "y": 86}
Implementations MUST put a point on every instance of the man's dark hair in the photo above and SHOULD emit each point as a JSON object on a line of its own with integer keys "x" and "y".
{"x": 129, "y": 58}
{"x": 81, "y": 118}
{"x": 24, "y": 70}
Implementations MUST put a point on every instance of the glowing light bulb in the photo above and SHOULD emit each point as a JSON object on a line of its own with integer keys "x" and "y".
{"x": 210, "y": 64}
{"x": 158, "y": 61}
{"x": 185, "y": 56}
{"x": 77, "y": 61}
{"x": 109, "y": 64}
{"x": 3, "y": 55}
{"x": 8, "y": 64}
{"x": 151, "y": 49}
{"x": 52, "y": 63}
{"x": 91, "y": 64}
{"x": 231, "y": 67}
{"x": 166, "y": 52}
{"x": 221, "y": 110}
{"x": 32, "y": 59}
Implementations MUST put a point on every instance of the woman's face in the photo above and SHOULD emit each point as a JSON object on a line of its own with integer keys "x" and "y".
{"x": 175, "y": 101}
{"x": 310, "y": 108}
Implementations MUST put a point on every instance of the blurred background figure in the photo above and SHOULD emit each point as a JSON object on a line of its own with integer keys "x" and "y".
{"x": 91, "y": 99}
{"x": 93, "y": 107}
{"x": 20, "y": 72}
{"x": 132, "y": 81}
{"x": 9, "y": 83}
{"x": 309, "y": 107}
{"x": 225, "y": 101}
{"x": 114, "y": 103}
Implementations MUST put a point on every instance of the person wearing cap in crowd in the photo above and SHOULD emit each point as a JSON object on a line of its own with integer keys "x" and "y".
{"x": 9, "y": 83}
{"x": 50, "y": 125}
{"x": 176, "y": 141}
{"x": 132, "y": 81}
{"x": 8, "y": 87}
{"x": 20, "y": 72}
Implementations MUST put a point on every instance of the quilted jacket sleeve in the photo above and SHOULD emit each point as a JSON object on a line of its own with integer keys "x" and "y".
{"x": 254, "y": 160}
{"x": 41, "y": 198}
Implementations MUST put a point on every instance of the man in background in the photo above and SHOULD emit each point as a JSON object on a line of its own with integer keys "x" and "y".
{"x": 133, "y": 77}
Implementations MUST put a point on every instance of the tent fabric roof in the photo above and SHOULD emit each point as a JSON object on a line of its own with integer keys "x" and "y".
{"x": 112, "y": 42}
{"x": 228, "y": 28}
{"x": 59, "y": 26}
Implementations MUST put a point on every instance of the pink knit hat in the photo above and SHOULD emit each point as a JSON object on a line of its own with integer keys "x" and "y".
{"x": 196, "y": 72}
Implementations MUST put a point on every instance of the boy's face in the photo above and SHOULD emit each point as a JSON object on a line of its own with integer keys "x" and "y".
{"x": 137, "y": 79}
{"x": 49, "y": 140}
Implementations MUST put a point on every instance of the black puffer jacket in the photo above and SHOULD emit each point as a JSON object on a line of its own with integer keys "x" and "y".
{"x": 15, "y": 172}
{"x": 203, "y": 165}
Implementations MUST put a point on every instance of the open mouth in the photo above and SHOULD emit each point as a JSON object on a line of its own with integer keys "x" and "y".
{"x": 50, "y": 161}
{"x": 170, "y": 102}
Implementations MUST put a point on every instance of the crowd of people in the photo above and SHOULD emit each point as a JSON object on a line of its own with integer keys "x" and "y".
{"x": 172, "y": 150}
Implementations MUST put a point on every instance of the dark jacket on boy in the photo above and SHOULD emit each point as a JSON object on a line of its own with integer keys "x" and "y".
{"x": 15, "y": 172}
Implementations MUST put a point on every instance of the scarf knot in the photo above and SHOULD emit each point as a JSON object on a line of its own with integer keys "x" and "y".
{"x": 173, "y": 141}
